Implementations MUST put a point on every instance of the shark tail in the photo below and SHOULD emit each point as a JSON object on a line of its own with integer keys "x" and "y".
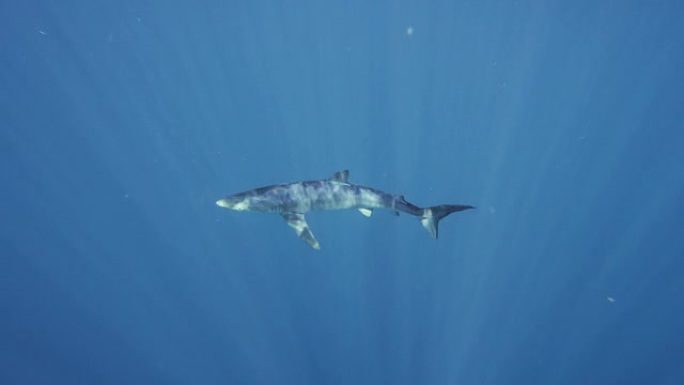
{"x": 432, "y": 216}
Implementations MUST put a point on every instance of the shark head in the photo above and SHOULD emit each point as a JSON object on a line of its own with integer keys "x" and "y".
{"x": 234, "y": 202}
{"x": 261, "y": 199}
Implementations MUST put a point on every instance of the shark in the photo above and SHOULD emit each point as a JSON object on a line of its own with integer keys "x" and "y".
{"x": 293, "y": 201}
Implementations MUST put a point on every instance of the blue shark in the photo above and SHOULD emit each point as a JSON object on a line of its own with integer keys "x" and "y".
{"x": 293, "y": 200}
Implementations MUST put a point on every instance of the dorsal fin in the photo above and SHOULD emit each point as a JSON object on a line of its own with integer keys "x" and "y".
{"x": 340, "y": 176}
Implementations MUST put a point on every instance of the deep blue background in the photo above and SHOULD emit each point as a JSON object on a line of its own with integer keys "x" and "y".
{"x": 122, "y": 122}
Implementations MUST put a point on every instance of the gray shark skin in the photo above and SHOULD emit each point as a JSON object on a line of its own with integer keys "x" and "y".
{"x": 293, "y": 200}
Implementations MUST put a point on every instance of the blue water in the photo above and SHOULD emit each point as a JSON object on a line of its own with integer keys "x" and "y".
{"x": 122, "y": 122}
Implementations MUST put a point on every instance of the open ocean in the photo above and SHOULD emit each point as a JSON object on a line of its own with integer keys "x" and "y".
{"x": 122, "y": 123}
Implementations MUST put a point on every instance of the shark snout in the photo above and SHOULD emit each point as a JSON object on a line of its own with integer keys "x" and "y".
{"x": 233, "y": 205}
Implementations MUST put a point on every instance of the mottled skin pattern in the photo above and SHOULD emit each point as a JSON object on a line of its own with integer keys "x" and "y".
{"x": 302, "y": 197}
{"x": 293, "y": 200}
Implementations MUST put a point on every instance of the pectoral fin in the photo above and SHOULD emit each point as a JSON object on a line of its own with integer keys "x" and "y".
{"x": 298, "y": 223}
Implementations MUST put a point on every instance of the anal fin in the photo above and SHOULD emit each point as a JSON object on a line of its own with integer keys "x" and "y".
{"x": 298, "y": 223}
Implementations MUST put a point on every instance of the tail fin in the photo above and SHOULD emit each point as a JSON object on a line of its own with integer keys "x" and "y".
{"x": 432, "y": 216}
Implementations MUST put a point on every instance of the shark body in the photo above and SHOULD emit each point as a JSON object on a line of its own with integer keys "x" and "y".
{"x": 293, "y": 200}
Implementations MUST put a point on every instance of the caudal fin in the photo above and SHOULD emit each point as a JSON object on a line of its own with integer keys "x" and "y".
{"x": 432, "y": 216}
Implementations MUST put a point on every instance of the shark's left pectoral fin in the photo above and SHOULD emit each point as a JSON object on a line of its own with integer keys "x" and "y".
{"x": 298, "y": 223}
